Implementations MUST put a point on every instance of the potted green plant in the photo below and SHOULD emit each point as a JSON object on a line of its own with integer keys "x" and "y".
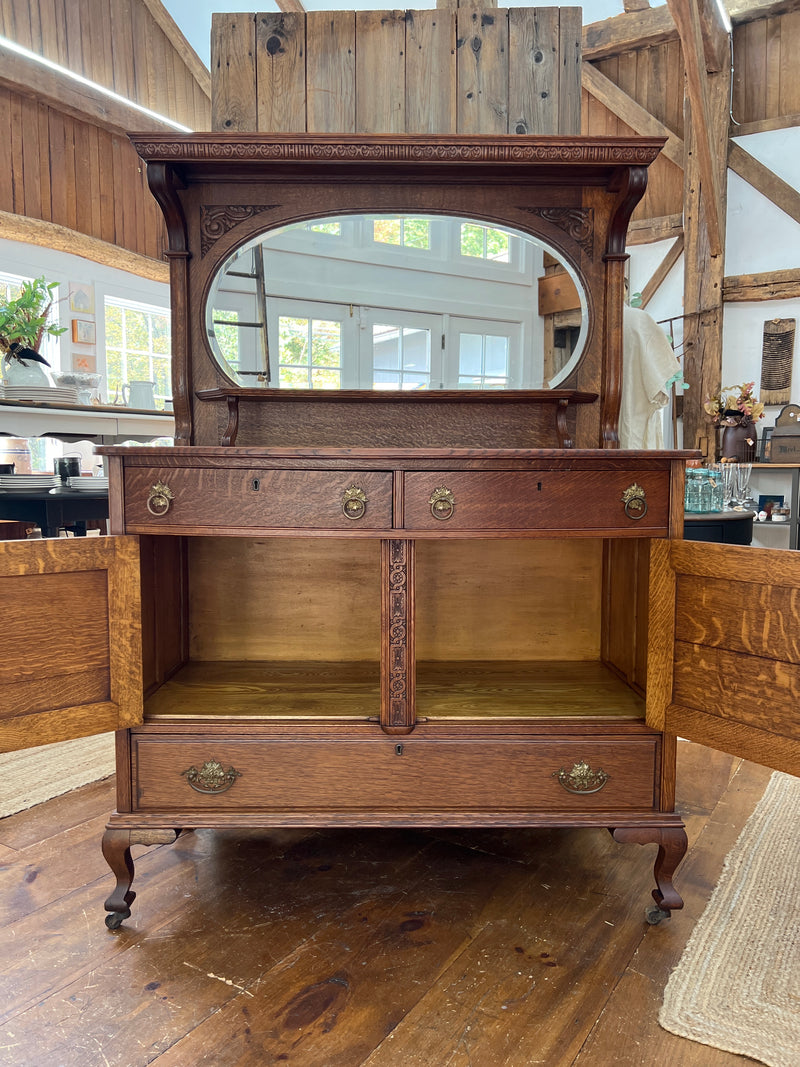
{"x": 24, "y": 324}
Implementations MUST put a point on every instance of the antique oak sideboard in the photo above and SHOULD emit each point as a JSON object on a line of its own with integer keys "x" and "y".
{"x": 424, "y": 601}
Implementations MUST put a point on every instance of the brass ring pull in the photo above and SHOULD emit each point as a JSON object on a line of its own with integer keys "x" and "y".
{"x": 635, "y": 500}
{"x": 581, "y": 779}
{"x": 159, "y": 499}
{"x": 442, "y": 503}
{"x": 354, "y": 502}
{"x": 211, "y": 778}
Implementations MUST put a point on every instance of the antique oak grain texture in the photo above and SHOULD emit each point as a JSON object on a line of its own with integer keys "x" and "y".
{"x": 365, "y": 948}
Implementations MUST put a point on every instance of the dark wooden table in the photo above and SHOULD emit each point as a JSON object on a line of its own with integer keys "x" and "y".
{"x": 49, "y": 511}
{"x": 720, "y": 527}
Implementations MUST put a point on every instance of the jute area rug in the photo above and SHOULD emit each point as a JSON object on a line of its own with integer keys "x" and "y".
{"x": 737, "y": 985}
{"x": 38, "y": 774}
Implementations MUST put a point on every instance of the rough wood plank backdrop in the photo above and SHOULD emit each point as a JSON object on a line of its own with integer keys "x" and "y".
{"x": 465, "y": 70}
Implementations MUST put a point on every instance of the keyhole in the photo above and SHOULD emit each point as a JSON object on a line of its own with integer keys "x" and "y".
{"x": 398, "y": 750}
{"x": 256, "y": 485}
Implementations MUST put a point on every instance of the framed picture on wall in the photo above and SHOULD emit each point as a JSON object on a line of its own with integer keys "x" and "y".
{"x": 81, "y": 297}
{"x": 765, "y": 445}
{"x": 83, "y": 332}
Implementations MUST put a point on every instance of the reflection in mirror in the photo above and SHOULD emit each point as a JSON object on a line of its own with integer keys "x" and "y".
{"x": 396, "y": 303}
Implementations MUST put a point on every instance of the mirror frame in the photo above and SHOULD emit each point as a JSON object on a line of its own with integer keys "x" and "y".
{"x": 576, "y": 194}
{"x": 308, "y": 254}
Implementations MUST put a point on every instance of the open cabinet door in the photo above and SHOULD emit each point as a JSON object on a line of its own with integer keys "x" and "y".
{"x": 724, "y": 649}
{"x": 72, "y": 647}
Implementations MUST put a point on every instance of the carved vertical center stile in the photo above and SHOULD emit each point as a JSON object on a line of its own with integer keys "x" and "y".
{"x": 397, "y": 668}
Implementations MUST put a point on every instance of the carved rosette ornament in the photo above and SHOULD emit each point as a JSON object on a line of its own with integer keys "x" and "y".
{"x": 216, "y": 221}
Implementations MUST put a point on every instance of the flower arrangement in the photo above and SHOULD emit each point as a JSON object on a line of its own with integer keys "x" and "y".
{"x": 735, "y": 405}
{"x": 23, "y": 321}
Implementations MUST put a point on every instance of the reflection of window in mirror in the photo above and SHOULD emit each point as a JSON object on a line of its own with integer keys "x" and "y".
{"x": 394, "y": 302}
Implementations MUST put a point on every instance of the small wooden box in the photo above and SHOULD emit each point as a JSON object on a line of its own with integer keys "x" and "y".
{"x": 785, "y": 445}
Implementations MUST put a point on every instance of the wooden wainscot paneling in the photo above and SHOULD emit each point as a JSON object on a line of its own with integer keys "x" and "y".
{"x": 131, "y": 46}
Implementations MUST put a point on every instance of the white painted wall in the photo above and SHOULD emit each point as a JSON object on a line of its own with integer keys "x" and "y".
{"x": 32, "y": 261}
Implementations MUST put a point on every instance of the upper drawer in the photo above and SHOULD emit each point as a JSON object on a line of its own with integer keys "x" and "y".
{"x": 536, "y": 500}
{"x": 238, "y": 498}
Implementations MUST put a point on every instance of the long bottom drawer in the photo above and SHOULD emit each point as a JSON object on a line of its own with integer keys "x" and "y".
{"x": 394, "y": 775}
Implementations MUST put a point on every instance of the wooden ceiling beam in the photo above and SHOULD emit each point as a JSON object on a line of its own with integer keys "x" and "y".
{"x": 62, "y": 93}
{"x": 632, "y": 114}
{"x": 624, "y": 33}
{"x": 687, "y": 18}
{"x": 642, "y": 29}
{"x": 647, "y": 231}
{"x": 766, "y": 181}
{"x": 769, "y": 285}
{"x": 662, "y": 270}
{"x": 46, "y": 234}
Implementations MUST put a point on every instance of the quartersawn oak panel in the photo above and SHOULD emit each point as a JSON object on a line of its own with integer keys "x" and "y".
{"x": 738, "y": 688}
{"x": 241, "y": 499}
{"x": 55, "y": 629}
{"x": 544, "y": 500}
{"x": 767, "y": 625}
{"x": 737, "y": 691}
{"x": 71, "y": 614}
{"x": 377, "y": 775}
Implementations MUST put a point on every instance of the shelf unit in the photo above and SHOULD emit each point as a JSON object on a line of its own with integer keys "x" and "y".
{"x": 787, "y": 472}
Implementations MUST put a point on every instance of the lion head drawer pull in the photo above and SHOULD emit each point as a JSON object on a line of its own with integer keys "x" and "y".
{"x": 582, "y": 779}
{"x": 442, "y": 503}
{"x": 635, "y": 500}
{"x": 211, "y": 778}
{"x": 159, "y": 499}
{"x": 354, "y": 502}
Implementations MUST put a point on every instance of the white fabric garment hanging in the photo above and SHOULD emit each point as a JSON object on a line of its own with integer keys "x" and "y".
{"x": 649, "y": 366}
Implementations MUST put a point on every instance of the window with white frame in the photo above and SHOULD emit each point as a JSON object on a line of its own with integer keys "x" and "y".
{"x": 137, "y": 347}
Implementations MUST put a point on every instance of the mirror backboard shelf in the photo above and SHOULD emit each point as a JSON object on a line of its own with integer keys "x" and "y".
{"x": 403, "y": 272}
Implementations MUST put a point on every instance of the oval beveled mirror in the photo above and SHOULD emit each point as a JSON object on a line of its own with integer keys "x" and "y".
{"x": 396, "y": 302}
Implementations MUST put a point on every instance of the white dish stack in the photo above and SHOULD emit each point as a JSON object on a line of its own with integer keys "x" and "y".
{"x": 56, "y": 394}
{"x": 28, "y": 483}
{"x": 88, "y": 485}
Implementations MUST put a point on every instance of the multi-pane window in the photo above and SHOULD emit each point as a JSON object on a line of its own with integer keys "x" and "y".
{"x": 485, "y": 242}
{"x": 227, "y": 335}
{"x": 403, "y": 231}
{"x": 309, "y": 353}
{"x": 483, "y": 361}
{"x": 137, "y": 347}
{"x": 401, "y": 357}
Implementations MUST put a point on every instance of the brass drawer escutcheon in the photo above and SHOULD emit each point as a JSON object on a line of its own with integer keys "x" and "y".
{"x": 442, "y": 503}
{"x": 159, "y": 499}
{"x": 582, "y": 779}
{"x": 354, "y": 502}
{"x": 211, "y": 778}
{"x": 635, "y": 500}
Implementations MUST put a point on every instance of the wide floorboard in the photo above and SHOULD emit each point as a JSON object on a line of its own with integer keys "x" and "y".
{"x": 354, "y": 948}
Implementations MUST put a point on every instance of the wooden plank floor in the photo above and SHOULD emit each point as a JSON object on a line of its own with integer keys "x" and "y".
{"x": 343, "y": 948}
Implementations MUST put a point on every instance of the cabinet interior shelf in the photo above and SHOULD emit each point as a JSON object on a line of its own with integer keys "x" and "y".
{"x": 223, "y": 690}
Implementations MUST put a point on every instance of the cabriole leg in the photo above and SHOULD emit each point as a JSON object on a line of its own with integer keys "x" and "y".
{"x": 117, "y": 852}
{"x": 672, "y": 844}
